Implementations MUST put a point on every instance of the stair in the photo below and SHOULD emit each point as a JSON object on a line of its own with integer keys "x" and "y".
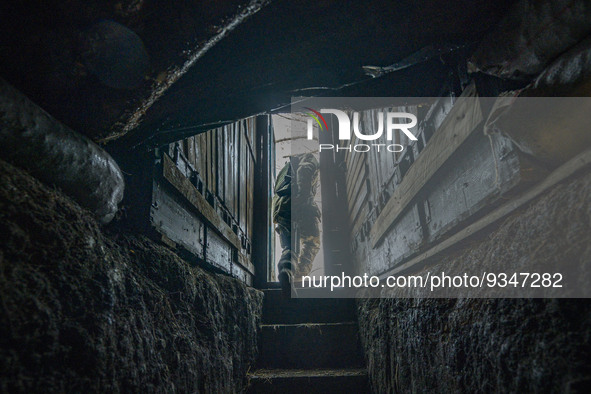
{"x": 308, "y": 345}
{"x": 309, "y": 381}
{"x": 280, "y": 310}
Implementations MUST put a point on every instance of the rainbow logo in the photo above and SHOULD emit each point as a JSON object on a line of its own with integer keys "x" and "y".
{"x": 317, "y": 115}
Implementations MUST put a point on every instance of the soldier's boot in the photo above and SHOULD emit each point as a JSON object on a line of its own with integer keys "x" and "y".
{"x": 285, "y": 272}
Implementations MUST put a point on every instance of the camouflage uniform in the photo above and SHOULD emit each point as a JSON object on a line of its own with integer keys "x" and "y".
{"x": 302, "y": 188}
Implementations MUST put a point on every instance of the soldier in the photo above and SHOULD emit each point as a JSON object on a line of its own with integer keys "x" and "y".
{"x": 298, "y": 180}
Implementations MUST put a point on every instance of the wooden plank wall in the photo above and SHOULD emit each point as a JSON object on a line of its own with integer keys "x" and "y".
{"x": 371, "y": 176}
{"x": 219, "y": 165}
{"x": 472, "y": 177}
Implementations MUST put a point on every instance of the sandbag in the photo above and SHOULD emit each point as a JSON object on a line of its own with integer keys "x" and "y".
{"x": 534, "y": 33}
{"x": 569, "y": 75}
{"x": 550, "y": 118}
{"x": 31, "y": 139}
{"x": 550, "y": 129}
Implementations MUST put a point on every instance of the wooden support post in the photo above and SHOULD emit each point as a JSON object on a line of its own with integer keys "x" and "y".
{"x": 262, "y": 230}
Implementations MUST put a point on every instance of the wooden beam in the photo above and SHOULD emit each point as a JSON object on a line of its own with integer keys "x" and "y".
{"x": 361, "y": 218}
{"x": 356, "y": 189}
{"x": 354, "y": 175}
{"x": 262, "y": 228}
{"x": 563, "y": 172}
{"x": 456, "y": 128}
{"x": 359, "y": 201}
{"x": 172, "y": 174}
{"x": 244, "y": 262}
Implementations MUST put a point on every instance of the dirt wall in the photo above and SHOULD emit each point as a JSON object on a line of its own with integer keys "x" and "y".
{"x": 86, "y": 310}
{"x": 493, "y": 345}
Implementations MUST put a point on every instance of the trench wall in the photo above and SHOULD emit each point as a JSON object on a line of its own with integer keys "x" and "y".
{"x": 90, "y": 309}
{"x": 493, "y": 345}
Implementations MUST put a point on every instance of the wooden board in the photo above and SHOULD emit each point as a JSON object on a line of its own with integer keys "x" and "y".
{"x": 210, "y": 162}
{"x": 245, "y": 262}
{"x": 250, "y": 126}
{"x": 190, "y": 149}
{"x": 354, "y": 175}
{"x": 229, "y": 169}
{"x": 581, "y": 162}
{"x": 235, "y": 171}
{"x": 250, "y": 195}
{"x": 361, "y": 219}
{"x": 184, "y": 186}
{"x": 473, "y": 180}
{"x": 460, "y": 123}
{"x": 170, "y": 218}
{"x": 224, "y": 160}
{"x": 220, "y": 153}
{"x": 360, "y": 184}
{"x": 242, "y": 274}
{"x": 218, "y": 252}
{"x": 242, "y": 181}
{"x": 402, "y": 242}
{"x": 360, "y": 200}
{"x": 201, "y": 157}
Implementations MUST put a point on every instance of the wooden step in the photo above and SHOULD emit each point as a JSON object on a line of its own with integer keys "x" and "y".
{"x": 351, "y": 380}
{"x": 313, "y": 345}
{"x": 278, "y": 309}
